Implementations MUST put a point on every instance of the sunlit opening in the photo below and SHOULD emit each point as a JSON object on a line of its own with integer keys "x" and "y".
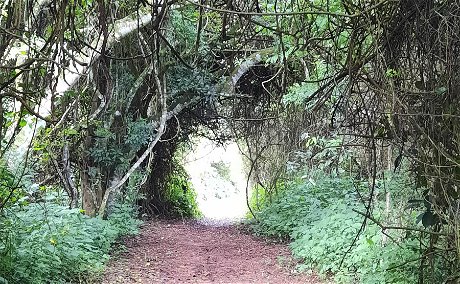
{"x": 217, "y": 174}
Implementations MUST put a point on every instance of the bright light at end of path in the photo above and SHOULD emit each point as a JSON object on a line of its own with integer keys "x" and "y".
{"x": 217, "y": 174}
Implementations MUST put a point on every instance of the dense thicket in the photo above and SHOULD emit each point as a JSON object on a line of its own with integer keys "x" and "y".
{"x": 109, "y": 89}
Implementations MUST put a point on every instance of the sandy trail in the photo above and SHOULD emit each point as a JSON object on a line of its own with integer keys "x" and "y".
{"x": 197, "y": 252}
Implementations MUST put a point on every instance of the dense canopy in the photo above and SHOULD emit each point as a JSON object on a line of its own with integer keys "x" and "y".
{"x": 98, "y": 98}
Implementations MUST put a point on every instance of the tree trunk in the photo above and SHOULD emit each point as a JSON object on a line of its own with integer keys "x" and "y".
{"x": 68, "y": 177}
{"x": 88, "y": 198}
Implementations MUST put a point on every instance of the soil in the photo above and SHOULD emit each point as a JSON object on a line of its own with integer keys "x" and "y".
{"x": 201, "y": 252}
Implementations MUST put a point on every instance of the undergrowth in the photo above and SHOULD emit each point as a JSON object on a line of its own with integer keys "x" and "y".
{"x": 46, "y": 242}
{"x": 318, "y": 217}
{"x": 181, "y": 195}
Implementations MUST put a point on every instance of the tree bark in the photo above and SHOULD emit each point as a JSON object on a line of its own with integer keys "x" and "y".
{"x": 88, "y": 199}
{"x": 68, "y": 177}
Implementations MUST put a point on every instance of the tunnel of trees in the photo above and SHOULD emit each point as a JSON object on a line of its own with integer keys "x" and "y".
{"x": 97, "y": 98}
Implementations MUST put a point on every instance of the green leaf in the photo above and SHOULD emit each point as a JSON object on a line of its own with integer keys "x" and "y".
{"x": 441, "y": 90}
{"x": 22, "y": 123}
{"x": 392, "y": 73}
{"x": 71, "y": 131}
{"x": 42, "y": 71}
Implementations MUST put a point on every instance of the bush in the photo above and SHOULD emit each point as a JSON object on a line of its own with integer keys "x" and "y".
{"x": 180, "y": 195}
{"x": 258, "y": 199}
{"x": 11, "y": 190}
{"x": 297, "y": 202}
{"x": 320, "y": 221}
{"x": 49, "y": 243}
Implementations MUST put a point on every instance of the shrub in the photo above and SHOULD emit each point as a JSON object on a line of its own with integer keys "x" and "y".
{"x": 318, "y": 218}
{"x": 49, "y": 243}
{"x": 180, "y": 195}
{"x": 296, "y": 202}
{"x": 11, "y": 190}
{"x": 258, "y": 199}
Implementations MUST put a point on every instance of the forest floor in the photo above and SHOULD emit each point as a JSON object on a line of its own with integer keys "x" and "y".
{"x": 201, "y": 252}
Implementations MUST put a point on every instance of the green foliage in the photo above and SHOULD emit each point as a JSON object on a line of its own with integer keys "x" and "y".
{"x": 289, "y": 208}
{"x": 49, "y": 243}
{"x": 139, "y": 133}
{"x": 323, "y": 156}
{"x": 319, "y": 219}
{"x": 105, "y": 150}
{"x": 185, "y": 81}
{"x": 109, "y": 150}
{"x": 298, "y": 93}
{"x": 11, "y": 190}
{"x": 181, "y": 195}
{"x": 261, "y": 197}
{"x": 184, "y": 32}
{"x": 258, "y": 199}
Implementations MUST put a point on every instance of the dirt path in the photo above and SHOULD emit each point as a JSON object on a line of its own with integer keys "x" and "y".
{"x": 189, "y": 252}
